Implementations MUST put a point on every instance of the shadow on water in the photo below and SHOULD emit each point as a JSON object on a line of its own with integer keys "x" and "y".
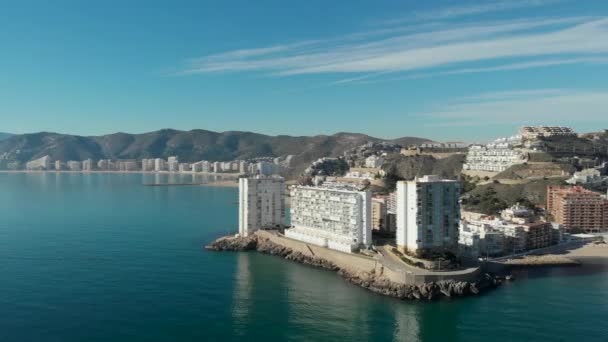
{"x": 589, "y": 266}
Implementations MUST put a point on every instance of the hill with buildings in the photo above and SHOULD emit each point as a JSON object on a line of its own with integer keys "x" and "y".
{"x": 189, "y": 146}
{"x": 400, "y": 167}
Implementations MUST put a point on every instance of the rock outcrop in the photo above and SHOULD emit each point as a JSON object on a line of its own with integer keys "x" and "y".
{"x": 368, "y": 280}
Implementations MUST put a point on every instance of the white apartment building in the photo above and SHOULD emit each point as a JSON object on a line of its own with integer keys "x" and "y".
{"x": 495, "y": 157}
{"x": 336, "y": 217}
{"x": 428, "y": 215}
{"x": 374, "y": 161}
{"x": 261, "y": 203}
{"x": 43, "y": 163}
{"x": 59, "y": 165}
{"x": 243, "y": 166}
{"x": 197, "y": 167}
{"x": 147, "y": 164}
{"x": 159, "y": 164}
{"x": 585, "y": 176}
{"x": 74, "y": 165}
{"x": 217, "y": 167}
{"x": 87, "y": 165}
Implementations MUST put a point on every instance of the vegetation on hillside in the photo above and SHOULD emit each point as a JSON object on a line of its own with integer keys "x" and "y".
{"x": 399, "y": 167}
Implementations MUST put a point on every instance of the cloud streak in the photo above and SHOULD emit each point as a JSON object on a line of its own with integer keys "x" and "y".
{"x": 536, "y": 106}
{"x": 582, "y": 39}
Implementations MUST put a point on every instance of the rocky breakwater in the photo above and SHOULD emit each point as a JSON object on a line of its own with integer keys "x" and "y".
{"x": 371, "y": 281}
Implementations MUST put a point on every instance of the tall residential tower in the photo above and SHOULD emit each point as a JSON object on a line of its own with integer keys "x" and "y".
{"x": 261, "y": 203}
{"x": 428, "y": 215}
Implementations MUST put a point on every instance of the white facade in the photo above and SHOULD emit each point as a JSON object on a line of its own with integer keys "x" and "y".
{"x": 492, "y": 157}
{"x": 87, "y": 165}
{"x": 74, "y": 165}
{"x": 585, "y": 176}
{"x": 261, "y": 203}
{"x": 147, "y": 164}
{"x": 159, "y": 164}
{"x": 428, "y": 215}
{"x": 374, "y": 161}
{"x": 43, "y": 163}
{"x": 336, "y": 217}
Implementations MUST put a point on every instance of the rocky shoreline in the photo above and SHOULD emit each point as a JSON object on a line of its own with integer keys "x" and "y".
{"x": 368, "y": 280}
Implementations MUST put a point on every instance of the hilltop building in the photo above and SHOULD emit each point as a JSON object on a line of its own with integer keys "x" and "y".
{"x": 576, "y": 208}
{"x": 585, "y": 176}
{"x": 533, "y": 133}
{"x": 495, "y": 157}
{"x": 428, "y": 215}
{"x": 261, "y": 203}
{"x": 337, "y": 217}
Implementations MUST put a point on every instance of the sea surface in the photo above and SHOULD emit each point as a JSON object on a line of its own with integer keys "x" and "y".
{"x": 101, "y": 257}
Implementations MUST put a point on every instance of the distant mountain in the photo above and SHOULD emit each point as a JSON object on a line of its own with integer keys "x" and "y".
{"x": 189, "y": 146}
{"x": 4, "y": 135}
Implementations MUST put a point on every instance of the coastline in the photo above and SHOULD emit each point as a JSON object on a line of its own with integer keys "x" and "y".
{"x": 577, "y": 256}
{"x": 377, "y": 279}
{"x": 231, "y": 175}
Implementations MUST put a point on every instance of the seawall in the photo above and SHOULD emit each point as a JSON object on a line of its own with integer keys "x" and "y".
{"x": 366, "y": 272}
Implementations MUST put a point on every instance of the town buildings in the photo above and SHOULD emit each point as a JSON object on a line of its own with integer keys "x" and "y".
{"x": 576, "y": 208}
{"x": 428, "y": 215}
{"x": 261, "y": 203}
{"x": 337, "y": 217}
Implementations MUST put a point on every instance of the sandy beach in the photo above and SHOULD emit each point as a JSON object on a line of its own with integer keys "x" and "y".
{"x": 223, "y": 183}
{"x": 590, "y": 252}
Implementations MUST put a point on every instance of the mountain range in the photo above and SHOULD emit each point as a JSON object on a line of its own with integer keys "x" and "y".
{"x": 4, "y": 136}
{"x": 189, "y": 146}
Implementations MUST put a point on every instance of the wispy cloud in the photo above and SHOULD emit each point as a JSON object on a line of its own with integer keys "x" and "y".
{"x": 545, "y": 41}
{"x": 559, "y": 106}
{"x": 485, "y": 7}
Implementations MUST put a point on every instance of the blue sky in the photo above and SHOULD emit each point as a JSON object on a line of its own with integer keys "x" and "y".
{"x": 446, "y": 70}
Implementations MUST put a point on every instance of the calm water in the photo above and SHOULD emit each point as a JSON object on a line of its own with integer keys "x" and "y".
{"x": 94, "y": 257}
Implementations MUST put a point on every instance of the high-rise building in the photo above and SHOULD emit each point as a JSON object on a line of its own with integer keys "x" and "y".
{"x": 147, "y": 164}
{"x": 428, "y": 215}
{"x": 159, "y": 164}
{"x": 43, "y": 163}
{"x": 337, "y": 217}
{"x": 59, "y": 165}
{"x": 87, "y": 165}
{"x": 261, "y": 203}
{"x": 379, "y": 213}
{"x": 74, "y": 165}
{"x": 217, "y": 167}
{"x": 576, "y": 208}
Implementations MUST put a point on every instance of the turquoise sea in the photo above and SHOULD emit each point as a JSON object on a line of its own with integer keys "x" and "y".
{"x": 100, "y": 257}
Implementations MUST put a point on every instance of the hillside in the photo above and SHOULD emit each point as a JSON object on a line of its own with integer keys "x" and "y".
{"x": 189, "y": 146}
{"x": 4, "y": 135}
{"x": 493, "y": 197}
{"x": 400, "y": 167}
